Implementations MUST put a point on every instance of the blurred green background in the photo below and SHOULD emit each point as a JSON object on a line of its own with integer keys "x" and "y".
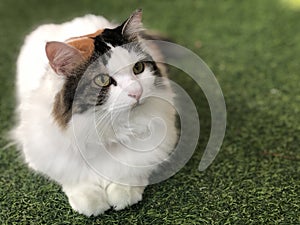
{"x": 253, "y": 48}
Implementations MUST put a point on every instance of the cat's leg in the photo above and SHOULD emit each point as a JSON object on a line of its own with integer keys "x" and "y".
{"x": 121, "y": 196}
{"x": 88, "y": 199}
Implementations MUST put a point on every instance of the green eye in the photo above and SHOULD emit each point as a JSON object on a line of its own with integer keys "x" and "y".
{"x": 138, "y": 68}
{"x": 102, "y": 80}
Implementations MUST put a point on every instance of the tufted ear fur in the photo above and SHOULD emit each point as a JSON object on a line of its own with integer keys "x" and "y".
{"x": 133, "y": 25}
{"x": 63, "y": 58}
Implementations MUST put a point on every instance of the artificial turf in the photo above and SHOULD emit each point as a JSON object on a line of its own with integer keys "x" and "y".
{"x": 253, "y": 48}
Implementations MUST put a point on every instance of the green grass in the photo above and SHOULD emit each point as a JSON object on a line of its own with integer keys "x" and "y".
{"x": 253, "y": 47}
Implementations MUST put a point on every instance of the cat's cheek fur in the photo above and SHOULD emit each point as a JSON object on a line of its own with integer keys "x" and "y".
{"x": 53, "y": 151}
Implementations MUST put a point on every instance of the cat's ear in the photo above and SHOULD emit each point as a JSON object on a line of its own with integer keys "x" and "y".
{"x": 133, "y": 26}
{"x": 62, "y": 57}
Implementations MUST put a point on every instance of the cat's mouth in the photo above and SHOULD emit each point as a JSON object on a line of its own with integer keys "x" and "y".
{"x": 124, "y": 107}
{"x": 138, "y": 102}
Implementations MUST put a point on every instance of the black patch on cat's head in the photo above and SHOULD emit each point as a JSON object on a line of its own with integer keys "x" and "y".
{"x": 114, "y": 36}
{"x": 100, "y": 47}
{"x": 108, "y": 37}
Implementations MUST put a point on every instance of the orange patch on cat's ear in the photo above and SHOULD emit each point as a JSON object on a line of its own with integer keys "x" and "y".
{"x": 85, "y": 44}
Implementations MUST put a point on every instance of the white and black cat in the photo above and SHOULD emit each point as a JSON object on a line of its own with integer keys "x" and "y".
{"x": 104, "y": 81}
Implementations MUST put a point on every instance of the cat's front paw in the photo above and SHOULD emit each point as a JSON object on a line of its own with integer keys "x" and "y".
{"x": 87, "y": 199}
{"x": 121, "y": 196}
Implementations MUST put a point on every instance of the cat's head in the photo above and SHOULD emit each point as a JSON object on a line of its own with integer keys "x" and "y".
{"x": 111, "y": 67}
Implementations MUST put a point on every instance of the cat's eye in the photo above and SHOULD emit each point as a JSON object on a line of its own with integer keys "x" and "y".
{"x": 138, "y": 68}
{"x": 102, "y": 80}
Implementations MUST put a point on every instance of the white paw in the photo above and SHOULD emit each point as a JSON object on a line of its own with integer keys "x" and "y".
{"x": 121, "y": 196}
{"x": 87, "y": 199}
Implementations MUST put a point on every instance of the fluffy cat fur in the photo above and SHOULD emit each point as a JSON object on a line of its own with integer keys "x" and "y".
{"x": 53, "y": 121}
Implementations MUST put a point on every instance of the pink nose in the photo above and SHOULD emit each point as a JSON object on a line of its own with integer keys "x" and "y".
{"x": 134, "y": 89}
{"x": 136, "y": 94}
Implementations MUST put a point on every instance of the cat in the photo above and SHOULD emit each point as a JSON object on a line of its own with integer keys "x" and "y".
{"x": 90, "y": 74}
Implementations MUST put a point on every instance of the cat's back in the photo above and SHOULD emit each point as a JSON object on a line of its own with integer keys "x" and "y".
{"x": 32, "y": 61}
